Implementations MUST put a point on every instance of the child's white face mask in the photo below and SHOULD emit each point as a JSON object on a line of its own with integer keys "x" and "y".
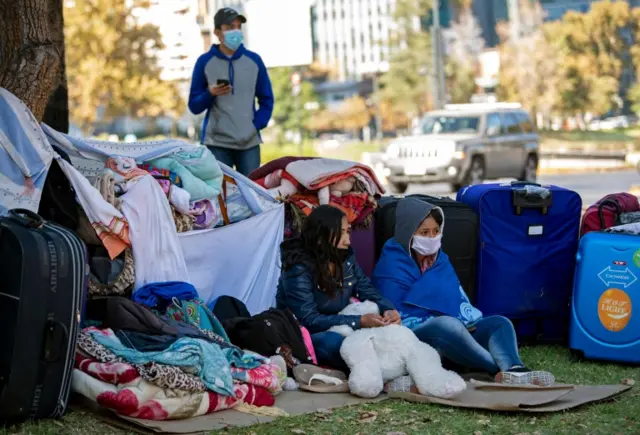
{"x": 426, "y": 245}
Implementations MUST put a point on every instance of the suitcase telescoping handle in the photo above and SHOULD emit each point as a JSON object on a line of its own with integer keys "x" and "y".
{"x": 524, "y": 183}
{"x": 602, "y": 205}
{"x": 54, "y": 349}
{"x": 26, "y": 218}
{"x": 522, "y": 199}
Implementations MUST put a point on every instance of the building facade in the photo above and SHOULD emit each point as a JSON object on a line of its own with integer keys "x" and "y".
{"x": 351, "y": 35}
{"x": 176, "y": 22}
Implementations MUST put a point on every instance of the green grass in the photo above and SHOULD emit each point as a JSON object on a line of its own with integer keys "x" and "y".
{"x": 620, "y": 416}
{"x": 350, "y": 151}
{"x": 616, "y": 140}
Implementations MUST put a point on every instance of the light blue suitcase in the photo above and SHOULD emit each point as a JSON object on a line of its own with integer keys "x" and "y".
{"x": 605, "y": 308}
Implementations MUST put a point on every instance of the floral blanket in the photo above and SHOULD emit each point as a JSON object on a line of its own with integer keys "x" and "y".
{"x": 118, "y": 387}
{"x": 356, "y": 206}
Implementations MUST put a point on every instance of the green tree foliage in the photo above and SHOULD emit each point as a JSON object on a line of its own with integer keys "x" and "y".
{"x": 112, "y": 63}
{"x": 463, "y": 56}
{"x": 573, "y": 66}
{"x": 634, "y": 97}
{"x": 285, "y": 111}
{"x": 596, "y": 49}
{"x": 529, "y": 62}
{"x": 406, "y": 84}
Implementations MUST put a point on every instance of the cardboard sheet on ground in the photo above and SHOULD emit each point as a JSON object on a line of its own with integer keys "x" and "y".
{"x": 292, "y": 402}
{"x": 497, "y": 397}
{"x": 479, "y": 395}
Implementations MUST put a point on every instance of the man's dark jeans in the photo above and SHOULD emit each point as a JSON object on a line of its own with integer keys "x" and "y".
{"x": 244, "y": 161}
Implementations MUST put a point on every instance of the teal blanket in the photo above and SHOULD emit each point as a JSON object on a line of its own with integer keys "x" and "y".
{"x": 199, "y": 170}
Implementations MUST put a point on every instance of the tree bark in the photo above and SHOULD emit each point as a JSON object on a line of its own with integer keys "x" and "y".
{"x": 29, "y": 60}
{"x": 56, "y": 114}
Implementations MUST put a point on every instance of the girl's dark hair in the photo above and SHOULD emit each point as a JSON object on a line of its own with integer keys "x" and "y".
{"x": 436, "y": 214}
{"x": 316, "y": 248}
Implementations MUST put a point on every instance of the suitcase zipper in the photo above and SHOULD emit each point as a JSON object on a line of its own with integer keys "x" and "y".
{"x": 78, "y": 283}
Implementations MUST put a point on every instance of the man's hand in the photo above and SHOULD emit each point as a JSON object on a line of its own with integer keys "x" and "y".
{"x": 392, "y": 317}
{"x": 218, "y": 90}
{"x": 371, "y": 321}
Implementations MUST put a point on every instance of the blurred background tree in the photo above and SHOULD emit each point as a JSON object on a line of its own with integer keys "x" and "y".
{"x": 112, "y": 66}
{"x": 406, "y": 84}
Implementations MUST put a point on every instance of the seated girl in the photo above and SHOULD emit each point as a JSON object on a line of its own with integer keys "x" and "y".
{"x": 320, "y": 276}
{"x": 417, "y": 276}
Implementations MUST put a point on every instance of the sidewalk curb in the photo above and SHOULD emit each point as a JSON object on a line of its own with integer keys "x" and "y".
{"x": 567, "y": 171}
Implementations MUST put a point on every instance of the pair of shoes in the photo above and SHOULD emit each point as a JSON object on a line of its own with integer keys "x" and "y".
{"x": 520, "y": 375}
{"x": 403, "y": 384}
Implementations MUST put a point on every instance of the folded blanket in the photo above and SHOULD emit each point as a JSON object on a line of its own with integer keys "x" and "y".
{"x": 315, "y": 174}
{"x": 118, "y": 387}
{"x": 198, "y": 170}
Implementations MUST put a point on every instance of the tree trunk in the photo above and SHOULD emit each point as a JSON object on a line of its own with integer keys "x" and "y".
{"x": 56, "y": 114}
{"x": 29, "y": 61}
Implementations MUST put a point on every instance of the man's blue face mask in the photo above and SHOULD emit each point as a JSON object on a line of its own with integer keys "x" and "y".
{"x": 233, "y": 39}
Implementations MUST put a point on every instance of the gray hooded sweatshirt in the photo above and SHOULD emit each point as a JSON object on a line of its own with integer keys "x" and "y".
{"x": 410, "y": 213}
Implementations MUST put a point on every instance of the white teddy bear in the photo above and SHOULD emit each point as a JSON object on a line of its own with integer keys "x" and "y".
{"x": 378, "y": 355}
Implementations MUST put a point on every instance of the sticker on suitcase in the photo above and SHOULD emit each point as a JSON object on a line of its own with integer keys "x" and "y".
{"x": 610, "y": 276}
{"x": 614, "y": 309}
{"x": 636, "y": 258}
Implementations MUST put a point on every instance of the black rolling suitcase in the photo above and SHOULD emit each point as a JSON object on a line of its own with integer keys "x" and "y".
{"x": 459, "y": 240}
{"x": 43, "y": 270}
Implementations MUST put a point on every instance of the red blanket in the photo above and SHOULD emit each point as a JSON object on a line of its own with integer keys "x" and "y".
{"x": 118, "y": 387}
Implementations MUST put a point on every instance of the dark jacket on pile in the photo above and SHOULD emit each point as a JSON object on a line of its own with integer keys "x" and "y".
{"x": 298, "y": 291}
{"x": 140, "y": 328}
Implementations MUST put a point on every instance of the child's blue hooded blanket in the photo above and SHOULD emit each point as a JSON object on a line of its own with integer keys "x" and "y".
{"x": 419, "y": 296}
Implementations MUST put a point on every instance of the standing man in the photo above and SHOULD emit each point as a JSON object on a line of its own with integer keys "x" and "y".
{"x": 226, "y": 83}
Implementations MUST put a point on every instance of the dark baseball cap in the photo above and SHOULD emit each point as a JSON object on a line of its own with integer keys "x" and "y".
{"x": 226, "y": 16}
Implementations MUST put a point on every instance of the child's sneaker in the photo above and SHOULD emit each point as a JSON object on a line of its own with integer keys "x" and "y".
{"x": 403, "y": 384}
{"x": 520, "y": 375}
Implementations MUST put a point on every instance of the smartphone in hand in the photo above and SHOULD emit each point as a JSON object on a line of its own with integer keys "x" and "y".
{"x": 223, "y": 82}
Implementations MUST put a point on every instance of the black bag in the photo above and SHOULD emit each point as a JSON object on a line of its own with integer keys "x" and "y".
{"x": 58, "y": 202}
{"x": 228, "y": 307}
{"x": 264, "y": 333}
{"x": 459, "y": 239}
{"x": 44, "y": 269}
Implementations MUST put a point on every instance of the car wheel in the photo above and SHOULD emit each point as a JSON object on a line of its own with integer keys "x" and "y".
{"x": 398, "y": 187}
{"x": 476, "y": 172}
{"x": 530, "y": 170}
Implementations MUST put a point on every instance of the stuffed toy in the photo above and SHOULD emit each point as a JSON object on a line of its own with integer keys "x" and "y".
{"x": 278, "y": 184}
{"x": 378, "y": 355}
{"x": 337, "y": 189}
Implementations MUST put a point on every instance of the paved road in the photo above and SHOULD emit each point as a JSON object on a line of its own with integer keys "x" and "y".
{"x": 590, "y": 186}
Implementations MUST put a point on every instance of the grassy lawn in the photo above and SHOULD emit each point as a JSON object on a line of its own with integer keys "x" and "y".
{"x": 351, "y": 151}
{"x": 594, "y": 136}
{"x": 621, "y": 416}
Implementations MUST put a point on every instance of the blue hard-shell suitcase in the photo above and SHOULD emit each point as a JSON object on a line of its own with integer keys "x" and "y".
{"x": 606, "y": 289}
{"x": 526, "y": 255}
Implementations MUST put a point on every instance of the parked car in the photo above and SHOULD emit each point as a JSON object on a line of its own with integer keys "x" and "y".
{"x": 465, "y": 144}
{"x": 612, "y": 123}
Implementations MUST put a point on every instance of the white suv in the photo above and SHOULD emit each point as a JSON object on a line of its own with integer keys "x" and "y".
{"x": 465, "y": 144}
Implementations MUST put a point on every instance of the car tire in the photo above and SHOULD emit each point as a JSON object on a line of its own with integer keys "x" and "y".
{"x": 530, "y": 170}
{"x": 398, "y": 188}
{"x": 475, "y": 174}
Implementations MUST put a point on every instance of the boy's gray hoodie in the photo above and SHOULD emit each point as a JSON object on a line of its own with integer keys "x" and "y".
{"x": 231, "y": 120}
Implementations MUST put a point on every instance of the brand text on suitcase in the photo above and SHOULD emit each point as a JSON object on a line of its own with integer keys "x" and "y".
{"x": 614, "y": 309}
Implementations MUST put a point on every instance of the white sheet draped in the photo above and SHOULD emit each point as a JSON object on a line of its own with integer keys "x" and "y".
{"x": 240, "y": 260}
